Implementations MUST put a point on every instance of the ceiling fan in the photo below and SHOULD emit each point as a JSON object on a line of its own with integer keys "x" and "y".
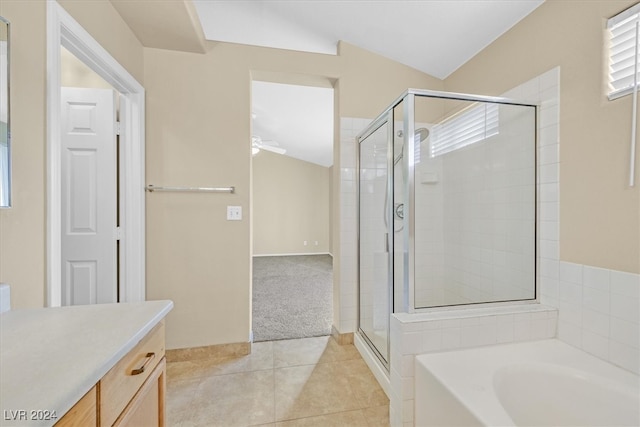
{"x": 258, "y": 144}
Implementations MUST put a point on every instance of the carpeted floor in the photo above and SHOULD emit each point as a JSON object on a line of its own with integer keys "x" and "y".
{"x": 292, "y": 297}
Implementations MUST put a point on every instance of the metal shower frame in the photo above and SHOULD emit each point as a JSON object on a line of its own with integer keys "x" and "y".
{"x": 386, "y": 116}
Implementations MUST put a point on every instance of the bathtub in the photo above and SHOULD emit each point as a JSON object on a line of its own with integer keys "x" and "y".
{"x": 538, "y": 383}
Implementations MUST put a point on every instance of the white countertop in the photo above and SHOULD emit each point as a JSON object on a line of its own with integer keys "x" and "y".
{"x": 50, "y": 357}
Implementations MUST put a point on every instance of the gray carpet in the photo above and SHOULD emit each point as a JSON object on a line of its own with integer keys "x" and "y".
{"x": 292, "y": 297}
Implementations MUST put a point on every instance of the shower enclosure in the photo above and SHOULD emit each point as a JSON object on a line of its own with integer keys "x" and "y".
{"x": 446, "y": 207}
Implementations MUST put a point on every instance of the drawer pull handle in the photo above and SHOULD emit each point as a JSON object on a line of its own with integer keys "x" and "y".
{"x": 148, "y": 358}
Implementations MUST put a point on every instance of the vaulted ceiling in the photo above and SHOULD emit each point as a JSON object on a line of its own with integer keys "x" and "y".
{"x": 433, "y": 36}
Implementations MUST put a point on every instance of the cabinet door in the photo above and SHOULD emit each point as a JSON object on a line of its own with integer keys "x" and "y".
{"x": 83, "y": 414}
{"x": 146, "y": 409}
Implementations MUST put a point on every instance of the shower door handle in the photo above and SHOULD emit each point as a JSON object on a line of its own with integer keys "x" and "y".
{"x": 386, "y": 242}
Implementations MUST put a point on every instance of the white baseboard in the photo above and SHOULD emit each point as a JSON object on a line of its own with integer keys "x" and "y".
{"x": 296, "y": 254}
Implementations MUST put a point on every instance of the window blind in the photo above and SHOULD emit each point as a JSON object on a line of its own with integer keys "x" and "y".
{"x": 622, "y": 51}
{"x": 472, "y": 125}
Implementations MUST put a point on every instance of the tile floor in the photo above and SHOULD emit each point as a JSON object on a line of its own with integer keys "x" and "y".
{"x": 302, "y": 382}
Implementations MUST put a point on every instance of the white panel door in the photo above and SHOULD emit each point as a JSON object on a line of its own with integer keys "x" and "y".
{"x": 89, "y": 194}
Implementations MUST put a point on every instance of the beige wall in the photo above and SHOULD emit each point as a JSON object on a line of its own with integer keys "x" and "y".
{"x": 599, "y": 213}
{"x": 74, "y": 73}
{"x": 332, "y": 223}
{"x": 198, "y": 120}
{"x": 290, "y": 205}
{"x": 22, "y": 238}
{"x": 22, "y": 228}
{"x": 198, "y": 133}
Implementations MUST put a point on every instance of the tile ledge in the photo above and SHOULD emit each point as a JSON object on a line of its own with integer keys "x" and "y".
{"x": 462, "y": 313}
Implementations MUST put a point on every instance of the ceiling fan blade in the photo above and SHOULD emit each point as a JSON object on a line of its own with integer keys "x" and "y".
{"x": 270, "y": 142}
{"x": 276, "y": 150}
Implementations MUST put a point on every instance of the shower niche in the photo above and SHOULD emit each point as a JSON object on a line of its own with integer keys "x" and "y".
{"x": 446, "y": 207}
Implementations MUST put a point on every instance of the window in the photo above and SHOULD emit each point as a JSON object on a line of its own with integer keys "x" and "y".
{"x": 623, "y": 51}
{"x": 473, "y": 124}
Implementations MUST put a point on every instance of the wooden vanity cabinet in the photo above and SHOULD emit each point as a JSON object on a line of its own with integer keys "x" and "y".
{"x": 131, "y": 394}
{"x": 147, "y": 407}
{"x": 83, "y": 413}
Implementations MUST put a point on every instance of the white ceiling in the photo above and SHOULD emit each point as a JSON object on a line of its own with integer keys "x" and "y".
{"x": 298, "y": 118}
{"x": 434, "y": 36}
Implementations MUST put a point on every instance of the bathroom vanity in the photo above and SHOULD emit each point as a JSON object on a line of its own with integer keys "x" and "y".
{"x": 98, "y": 365}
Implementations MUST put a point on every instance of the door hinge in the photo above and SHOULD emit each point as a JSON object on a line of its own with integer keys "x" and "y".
{"x": 118, "y": 128}
{"x": 119, "y": 233}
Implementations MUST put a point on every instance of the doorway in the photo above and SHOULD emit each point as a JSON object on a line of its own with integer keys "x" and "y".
{"x": 64, "y": 32}
{"x": 292, "y": 158}
{"x": 89, "y": 168}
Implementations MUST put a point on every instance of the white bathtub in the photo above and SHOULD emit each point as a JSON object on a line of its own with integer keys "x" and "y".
{"x": 539, "y": 383}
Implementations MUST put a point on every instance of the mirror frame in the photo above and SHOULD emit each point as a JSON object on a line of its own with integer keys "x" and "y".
{"x": 7, "y": 177}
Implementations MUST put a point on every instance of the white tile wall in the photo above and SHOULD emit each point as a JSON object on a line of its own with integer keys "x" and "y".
{"x": 5, "y": 297}
{"x": 599, "y": 312}
{"x": 349, "y": 128}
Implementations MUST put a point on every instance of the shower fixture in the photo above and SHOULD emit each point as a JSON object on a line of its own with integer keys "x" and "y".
{"x": 419, "y": 135}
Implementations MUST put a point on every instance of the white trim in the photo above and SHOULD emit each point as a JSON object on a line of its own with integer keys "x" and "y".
{"x": 63, "y": 30}
{"x": 296, "y": 254}
{"x": 624, "y": 15}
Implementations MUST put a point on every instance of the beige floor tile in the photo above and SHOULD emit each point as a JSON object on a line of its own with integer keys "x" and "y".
{"x": 179, "y": 400}
{"x": 340, "y": 419}
{"x": 180, "y": 371}
{"x": 335, "y": 352}
{"x": 364, "y": 385}
{"x": 309, "y": 351}
{"x": 310, "y": 390}
{"x": 304, "y": 351}
{"x": 303, "y": 382}
{"x": 377, "y": 416}
{"x": 261, "y": 358}
{"x": 240, "y": 399}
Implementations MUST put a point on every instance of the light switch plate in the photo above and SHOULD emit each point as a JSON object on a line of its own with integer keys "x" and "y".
{"x": 234, "y": 213}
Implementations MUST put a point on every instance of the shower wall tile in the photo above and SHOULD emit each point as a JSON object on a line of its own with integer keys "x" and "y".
{"x": 480, "y": 256}
{"x": 625, "y": 284}
{"x": 600, "y": 313}
{"x": 549, "y": 135}
{"x": 548, "y": 173}
{"x": 548, "y": 154}
{"x": 349, "y": 128}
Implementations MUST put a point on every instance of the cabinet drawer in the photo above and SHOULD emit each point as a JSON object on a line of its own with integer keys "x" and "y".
{"x": 147, "y": 407}
{"x": 122, "y": 382}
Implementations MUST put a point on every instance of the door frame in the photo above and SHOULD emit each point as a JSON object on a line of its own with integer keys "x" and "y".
{"x": 63, "y": 30}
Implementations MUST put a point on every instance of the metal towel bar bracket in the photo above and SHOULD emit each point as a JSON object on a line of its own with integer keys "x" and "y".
{"x": 152, "y": 188}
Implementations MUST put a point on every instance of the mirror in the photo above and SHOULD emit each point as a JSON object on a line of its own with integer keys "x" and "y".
{"x": 5, "y": 132}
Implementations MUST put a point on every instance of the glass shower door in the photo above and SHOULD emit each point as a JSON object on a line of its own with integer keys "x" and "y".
{"x": 375, "y": 270}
